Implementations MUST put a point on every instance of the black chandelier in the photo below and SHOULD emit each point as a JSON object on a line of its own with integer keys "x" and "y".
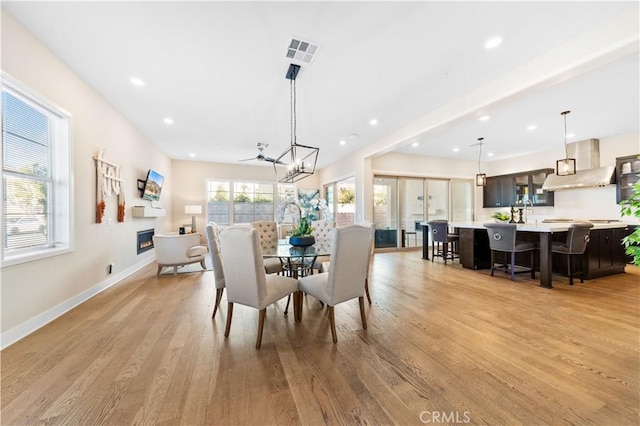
{"x": 566, "y": 166}
{"x": 300, "y": 160}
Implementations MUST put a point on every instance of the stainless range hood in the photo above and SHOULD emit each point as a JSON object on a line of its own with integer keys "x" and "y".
{"x": 588, "y": 174}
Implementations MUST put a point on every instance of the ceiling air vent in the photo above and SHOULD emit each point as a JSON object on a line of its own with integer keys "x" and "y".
{"x": 301, "y": 50}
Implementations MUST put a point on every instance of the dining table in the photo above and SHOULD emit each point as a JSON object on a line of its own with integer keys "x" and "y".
{"x": 297, "y": 261}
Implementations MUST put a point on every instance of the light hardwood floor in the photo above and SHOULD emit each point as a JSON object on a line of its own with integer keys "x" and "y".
{"x": 443, "y": 343}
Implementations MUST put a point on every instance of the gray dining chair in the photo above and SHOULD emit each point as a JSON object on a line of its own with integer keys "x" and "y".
{"x": 442, "y": 241}
{"x": 350, "y": 258}
{"x": 213, "y": 241}
{"x": 502, "y": 238}
{"x": 575, "y": 244}
{"x": 245, "y": 277}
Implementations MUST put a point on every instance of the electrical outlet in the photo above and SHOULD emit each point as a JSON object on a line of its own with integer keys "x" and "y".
{"x": 110, "y": 268}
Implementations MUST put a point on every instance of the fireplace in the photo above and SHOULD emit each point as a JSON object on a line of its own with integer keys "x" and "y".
{"x": 144, "y": 240}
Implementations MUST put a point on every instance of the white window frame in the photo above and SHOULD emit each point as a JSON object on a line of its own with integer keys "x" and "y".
{"x": 232, "y": 182}
{"x": 61, "y": 206}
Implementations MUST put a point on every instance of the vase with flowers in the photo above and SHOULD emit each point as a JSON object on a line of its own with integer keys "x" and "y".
{"x": 307, "y": 212}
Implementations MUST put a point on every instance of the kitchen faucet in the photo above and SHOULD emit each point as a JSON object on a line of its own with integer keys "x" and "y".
{"x": 524, "y": 203}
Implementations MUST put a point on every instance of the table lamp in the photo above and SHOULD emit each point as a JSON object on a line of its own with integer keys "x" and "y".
{"x": 193, "y": 210}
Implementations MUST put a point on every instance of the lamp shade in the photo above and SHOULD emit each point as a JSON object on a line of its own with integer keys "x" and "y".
{"x": 193, "y": 209}
{"x": 481, "y": 179}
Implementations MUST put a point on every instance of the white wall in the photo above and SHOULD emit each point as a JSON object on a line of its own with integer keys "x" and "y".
{"x": 191, "y": 178}
{"x": 583, "y": 203}
{"x": 36, "y": 292}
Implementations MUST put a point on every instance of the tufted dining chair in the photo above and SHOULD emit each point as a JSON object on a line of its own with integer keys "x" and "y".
{"x": 213, "y": 241}
{"x": 321, "y": 232}
{"x": 245, "y": 277}
{"x": 350, "y": 257}
{"x": 502, "y": 238}
{"x": 576, "y": 243}
{"x": 268, "y": 232}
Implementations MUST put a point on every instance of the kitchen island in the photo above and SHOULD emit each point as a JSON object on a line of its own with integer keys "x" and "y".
{"x": 604, "y": 256}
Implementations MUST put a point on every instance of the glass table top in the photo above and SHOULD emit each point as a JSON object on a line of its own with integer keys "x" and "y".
{"x": 286, "y": 250}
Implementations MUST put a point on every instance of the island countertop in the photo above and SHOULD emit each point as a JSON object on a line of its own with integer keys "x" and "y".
{"x": 540, "y": 226}
{"x": 544, "y": 231}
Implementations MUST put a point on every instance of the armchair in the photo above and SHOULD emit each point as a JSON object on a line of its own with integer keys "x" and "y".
{"x": 173, "y": 250}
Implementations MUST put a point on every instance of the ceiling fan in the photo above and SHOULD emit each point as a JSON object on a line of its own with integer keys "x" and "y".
{"x": 261, "y": 156}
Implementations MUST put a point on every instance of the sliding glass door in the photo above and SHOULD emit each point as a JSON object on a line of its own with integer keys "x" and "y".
{"x": 400, "y": 204}
{"x": 385, "y": 211}
{"x": 411, "y": 211}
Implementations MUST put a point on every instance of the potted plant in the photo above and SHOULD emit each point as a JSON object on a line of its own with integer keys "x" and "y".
{"x": 631, "y": 207}
{"x": 501, "y": 217}
{"x": 301, "y": 234}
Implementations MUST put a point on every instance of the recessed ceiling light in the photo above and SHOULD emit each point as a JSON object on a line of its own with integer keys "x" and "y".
{"x": 456, "y": 149}
{"x": 492, "y": 43}
{"x": 342, "y": 142}
{"x": 373, "y": 121}
{"x": 532, "y": 127}
{"x": 192, "y": 155}
{"x": 415, "y": 144}
{"x": 136, "y": 81}
{"x": 484, "y": 118}
{"x": 168, "y": 121}
{"x": 570, "y": 135}
{"x": 490, "y": 154}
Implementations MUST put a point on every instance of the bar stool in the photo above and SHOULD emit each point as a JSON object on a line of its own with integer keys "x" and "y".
{"x": 577, "y": 239}
{"x": 439, "y": 230}
{"x": 502, "y": 237}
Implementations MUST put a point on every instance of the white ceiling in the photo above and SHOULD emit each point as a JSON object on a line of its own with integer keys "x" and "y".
{"x": 218, "y": 70}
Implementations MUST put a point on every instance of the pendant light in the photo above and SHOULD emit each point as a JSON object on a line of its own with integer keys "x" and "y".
{"x": 300, "y": 160}
{"x": 566, "y": 166}
{"x": 481, "y": 178}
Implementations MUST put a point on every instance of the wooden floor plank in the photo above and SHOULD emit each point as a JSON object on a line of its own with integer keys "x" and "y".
{"x": 443, "y": 343}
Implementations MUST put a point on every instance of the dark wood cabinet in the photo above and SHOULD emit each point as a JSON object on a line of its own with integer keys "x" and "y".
{"x": 627, "y": 170}
{"x": 605, "y": 253}
{"x": 500, "y": 191}
{"x": 474, "y": 248}
{"x": 512, "y": 189}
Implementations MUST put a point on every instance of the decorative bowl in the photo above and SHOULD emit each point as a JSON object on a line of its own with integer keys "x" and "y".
{"x": 302, "y": 240}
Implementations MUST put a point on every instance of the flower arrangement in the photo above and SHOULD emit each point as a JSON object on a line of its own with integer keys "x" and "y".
{"x": 308, "y": 211}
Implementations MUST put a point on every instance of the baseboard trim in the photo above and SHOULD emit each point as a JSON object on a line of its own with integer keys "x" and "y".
{"x": 10, "y": 337}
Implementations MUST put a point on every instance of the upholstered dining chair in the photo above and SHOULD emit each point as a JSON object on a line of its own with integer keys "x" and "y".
{"x": 502, "y": 238}
{"x": 576, "y": 243}
{"x": 321, "y": 232}
{"x": 213, "y": 241}
{"x": 350, "y": 257}
{"x": 442, "y": 241}
{"x": 245, "y": 277}
{"x": 268, "y": 232}
{"x": 327, "y": 264}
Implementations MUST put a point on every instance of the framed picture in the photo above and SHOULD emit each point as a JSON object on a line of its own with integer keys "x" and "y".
{"x": 306, "y": 195}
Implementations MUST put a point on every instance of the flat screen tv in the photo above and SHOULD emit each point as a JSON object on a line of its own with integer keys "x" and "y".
{"x": 152, "y": 186}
